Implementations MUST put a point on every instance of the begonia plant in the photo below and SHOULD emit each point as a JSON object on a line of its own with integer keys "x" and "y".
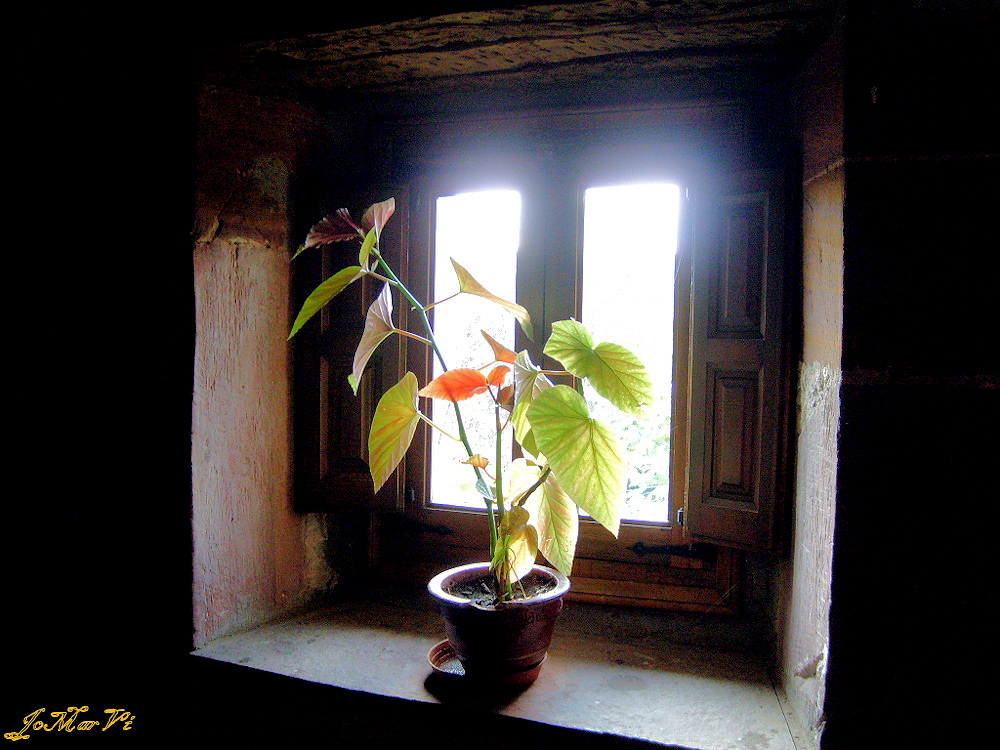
{"x": 570, "y": 461}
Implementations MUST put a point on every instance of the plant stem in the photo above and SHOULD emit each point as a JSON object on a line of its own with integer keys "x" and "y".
{"x": 435, "y": 304}
{"x": 463, "y": 436}
{"x": 380, "y": 277}
{"x": 522, "y": 498}
{"x": 499, "y": 463}
{"x": 414, "y": 336}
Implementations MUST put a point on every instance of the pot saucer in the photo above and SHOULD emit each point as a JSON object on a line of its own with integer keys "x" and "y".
{"x": 444, "y": 661}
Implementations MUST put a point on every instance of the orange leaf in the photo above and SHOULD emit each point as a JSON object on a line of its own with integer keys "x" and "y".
{"x": 497, "y": 375}
{"x": 456, "y": 385}
{"x": 501, "y": 352}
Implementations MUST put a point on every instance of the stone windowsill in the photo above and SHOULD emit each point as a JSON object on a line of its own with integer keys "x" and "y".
{"x": 610, "y": 671}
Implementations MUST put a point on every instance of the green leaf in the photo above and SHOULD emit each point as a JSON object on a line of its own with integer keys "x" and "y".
{"x": 468, "y": 285}
{"x": 366, "y": 247}
{"x": 584, "y": 453}
{"x": 615, "y": 372}
{"x": 500, "y": 553}
{"x": 529, "y": 382}
{"x": 552, "y": 512}
{"x": 325, "y": 292}
{"x": 393, "y": 424}
{"x": 378, "y": 327}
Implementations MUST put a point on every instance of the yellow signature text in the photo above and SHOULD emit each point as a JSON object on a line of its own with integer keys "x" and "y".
{"x": 69, "y": 721}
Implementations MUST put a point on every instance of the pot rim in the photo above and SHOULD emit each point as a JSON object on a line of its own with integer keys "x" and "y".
{"x": 436, "y": 584}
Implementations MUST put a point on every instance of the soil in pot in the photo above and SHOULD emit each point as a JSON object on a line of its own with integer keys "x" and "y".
{"x": 484, "y": 590}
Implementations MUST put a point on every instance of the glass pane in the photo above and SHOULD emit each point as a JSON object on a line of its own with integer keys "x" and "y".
{"x": 629, "y": 243}
{"x": 481, "y": 230}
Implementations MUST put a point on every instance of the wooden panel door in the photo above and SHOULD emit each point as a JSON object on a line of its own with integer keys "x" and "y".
{"x": 737, "y": 397}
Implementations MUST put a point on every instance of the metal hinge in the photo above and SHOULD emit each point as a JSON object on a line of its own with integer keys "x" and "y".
{"x": 680, "y": 516}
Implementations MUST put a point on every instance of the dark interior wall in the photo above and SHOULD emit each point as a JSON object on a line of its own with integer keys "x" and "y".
{"x": 97, "y": 556}
{"x": 910, "y": 607}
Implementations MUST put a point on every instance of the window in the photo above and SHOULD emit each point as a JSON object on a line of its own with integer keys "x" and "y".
{"x": 630, "y": 303}
{"x": 558, "y": 205}
{"x": 627, "y": 296}
{"x": 491, "y": 219}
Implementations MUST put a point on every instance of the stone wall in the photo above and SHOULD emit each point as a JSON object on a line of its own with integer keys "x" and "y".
{"x": 804, "y": 580}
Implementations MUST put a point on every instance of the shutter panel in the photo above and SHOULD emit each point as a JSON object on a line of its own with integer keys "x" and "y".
{"x": 330, "y": 422}
{"x": 736, "y": 399}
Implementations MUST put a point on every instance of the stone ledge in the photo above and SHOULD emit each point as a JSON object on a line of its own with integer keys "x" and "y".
{"x": 609, "y": 672}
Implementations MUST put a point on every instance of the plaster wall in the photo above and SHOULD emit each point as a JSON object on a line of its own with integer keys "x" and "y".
{"x": 252, "y": 558}
{"x": 804, "y": 645}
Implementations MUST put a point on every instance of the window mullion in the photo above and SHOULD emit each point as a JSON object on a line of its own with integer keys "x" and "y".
{"x": 557, "y": 242}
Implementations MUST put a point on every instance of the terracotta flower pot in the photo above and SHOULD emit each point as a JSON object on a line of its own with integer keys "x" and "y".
{"x": 505, "y": 643}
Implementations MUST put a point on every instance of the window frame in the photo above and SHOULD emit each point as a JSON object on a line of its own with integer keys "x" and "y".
{"x": 535, "y": 292}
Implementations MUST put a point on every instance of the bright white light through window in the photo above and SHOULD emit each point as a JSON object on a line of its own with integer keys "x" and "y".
{"x": 630, "y": 239}
{"x": 481, "y": 230}
{"x": 629, "y": 244}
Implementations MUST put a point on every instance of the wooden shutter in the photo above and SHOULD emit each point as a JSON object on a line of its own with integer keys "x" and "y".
{"x": 737, "y": 399}
{"x": 331, "y": 422}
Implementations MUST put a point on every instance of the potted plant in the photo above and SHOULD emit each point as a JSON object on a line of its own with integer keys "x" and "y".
{"x": 499, "y": 614}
